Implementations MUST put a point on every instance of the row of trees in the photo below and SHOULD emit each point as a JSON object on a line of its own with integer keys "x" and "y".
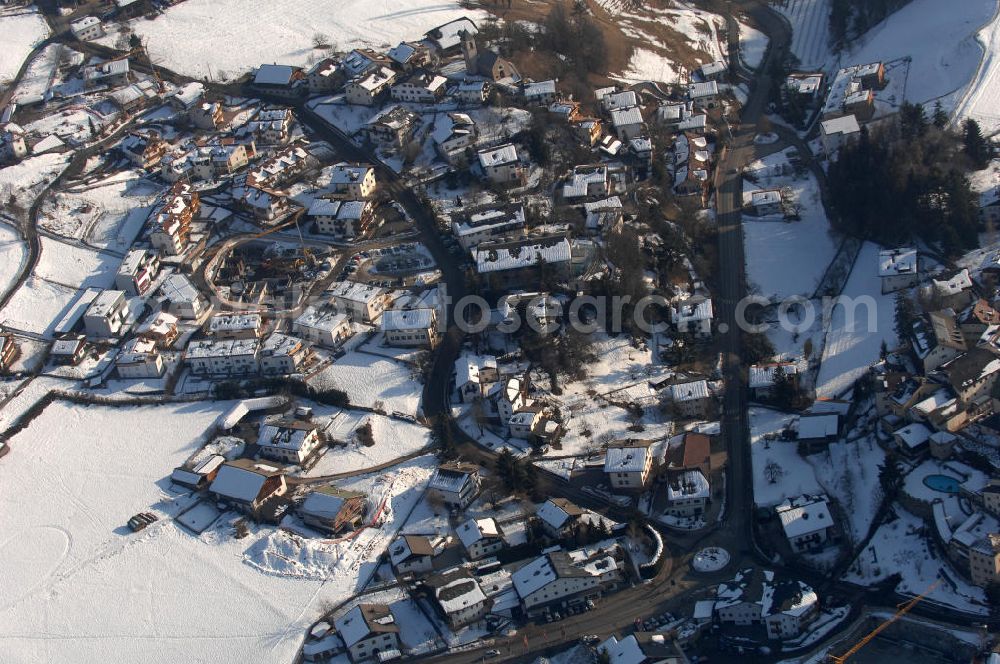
{"x": 907, "y": 180}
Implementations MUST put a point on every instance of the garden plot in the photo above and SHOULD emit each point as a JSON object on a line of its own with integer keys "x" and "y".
{"x": 370, "y": 381}
{"x": 778, "y": 470}
{"x": 785, "y": 258}
{"x": 853, "y": 342}
{"x": 26, "y": 179}
{"x": 37, "y": 306}
{"x": 274, "y": 32}
{"x": 899, "y": 547}
{"x": 20, "y": 30}
{"x": 75, "y": 267}
{"x": 848, "y": 471}
{"x": 100, "y": 213}
{"x": 393, "y": 439}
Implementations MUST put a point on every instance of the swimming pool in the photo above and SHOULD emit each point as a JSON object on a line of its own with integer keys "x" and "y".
{"x": 942, "y": 483}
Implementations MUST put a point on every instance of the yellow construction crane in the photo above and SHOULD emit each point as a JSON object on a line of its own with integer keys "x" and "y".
{"x": 901, "y": 611}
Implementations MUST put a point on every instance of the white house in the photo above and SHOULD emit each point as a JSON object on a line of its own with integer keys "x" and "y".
{"x": 414, "y": 554}
{"x": 455, "y": 484}
{"x": 472, "y": 227}
{"x": 474, "y": 375}
{"x": 362, "y": 302}
{"x": 628, "y": 123}
{"x": 540, "y": 93}
{"x": 837, "y": 132}
{"x": 459, "y": 597}
{"x": 230, "y": 325}
{"x": 87, "y": 28}
{"x": 182, "y": 298}
{"x": 411, "y": 327}
{"x": 500, "y": 165}
{"x": 291, "y": 441}
{"x": 324, "y": 328}
{"x": 691, "y": 399}
{"x": 473, "y": 92}
{"x": 688, "y": 494}
{"x": 453, "y": 133}
{"x": 368, "y": 88}
{"x": 558, "y": 516}
{"x": 898, "y": 269}
{"x": 282, "y": 354}
{"x": 421, "y": 87}
{"x": 628, "y": 468}
{"x": 806, "y": 522}
{"x": 107, "y": 316}
{"x": 704, "y": 95}
{"x": 693, "y": 316}
{"x": 367, "y": 631}
{"x": 139, "y": 358}
{"x": 481, "y": 537}
{"x": 784, "y": 606}
{"x": 352, "y": 181}
{"x": 137, "y": 272}
{"x": 560, "y": 579}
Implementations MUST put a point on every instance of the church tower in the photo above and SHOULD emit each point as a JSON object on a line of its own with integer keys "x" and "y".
{"x": 470, "y": 51}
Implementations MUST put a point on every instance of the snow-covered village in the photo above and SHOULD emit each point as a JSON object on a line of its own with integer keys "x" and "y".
{"x": 465, "y": 331}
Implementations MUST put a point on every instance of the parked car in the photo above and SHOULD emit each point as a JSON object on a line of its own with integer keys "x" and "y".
{"x": 493, "y": 653}
{"x": 142, "y": 520}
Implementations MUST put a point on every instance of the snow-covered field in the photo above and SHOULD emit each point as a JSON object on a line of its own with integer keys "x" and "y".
{"x": 25, "y": 179}
{"x": 848, "y": 471}
{"x": 243, "y": 37}
{"x": 20, "y": 31}
{"x": 810, "y": 31}
{"x": 12, "y": 254}
{"x": 646, "y": 65}
{"x": 941, "y": 39}
{"x": 794, "y": 475}
{"x": 753, "y": 45}
{"x": 79, "y": 587}
{"x": 368, "y": 380}
{"x": 900, "y": 547}
{"x": 789, "y": 258}
{"x": 853, "y": 342}
{"x": 75, "y": 267}
{"x": 981, "y": 100}
{"x": 37, "y": 306}
{"x": 393, "y": 439}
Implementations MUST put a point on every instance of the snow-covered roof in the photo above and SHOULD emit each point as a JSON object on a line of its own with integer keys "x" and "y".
{"x": 540, "y": 88}
{"x": 688, "y": 485}
{"x": 402, "y": 320}
{"x": 695, "y": 309}
{"x": 468, "y": 367}
{"x": 624, "y": 651}
{"x": 349, "y": 173}
{"x": 955, "y": 284}
{"x": 274, "y": 74}
{"x": 321, "y": 320}
{"x": 707, "y": 89}
{"x": 364, "y": 619}
{"x": 496, "y": 257}
{"x": 241, "y": 482}
{"x": 353, "y": 291}
{"x": 205, "y": 348}
{"x": 913, "y": 435}
{"x": 459, "y": 594}
{"x": 533, "y": 576}
{"x": 818, "y": 426}
{"x": 805, "y": 517}
{"x": 232, "y": 322}
{"x": 623, "y": 117}
{"x": 475, "y": 530}
{"x": 450, "y": 478}
{"x": 625, "y": 459}
{"x": 845, "y": 124}
{"x": 557, "y": 511}
{"x": 691, "y": 391}
{"x": 762, "y": 375}
{"x": 892, "y": 262}
{"x": 326, "y": 502}
{"x": 498, "y": 156}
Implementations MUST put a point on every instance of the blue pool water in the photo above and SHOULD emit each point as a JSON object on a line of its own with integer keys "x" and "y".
{"x": 942, "y": 483}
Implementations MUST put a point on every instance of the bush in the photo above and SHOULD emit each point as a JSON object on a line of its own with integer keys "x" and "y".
{"x": 365, "y": 435}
